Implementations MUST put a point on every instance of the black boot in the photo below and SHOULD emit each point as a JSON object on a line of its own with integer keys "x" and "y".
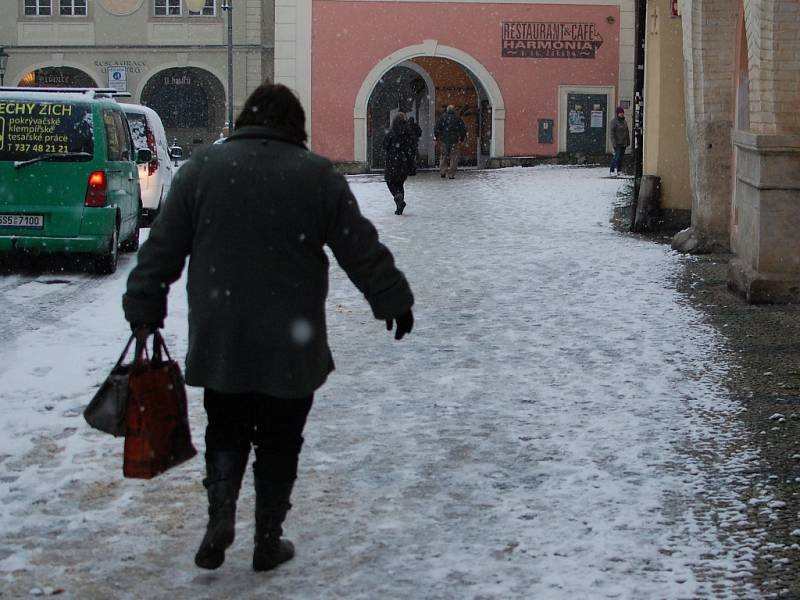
{"x": 224, "y": 472}
{"x": 272, "y": 504}
{"x": 398, "y": 200}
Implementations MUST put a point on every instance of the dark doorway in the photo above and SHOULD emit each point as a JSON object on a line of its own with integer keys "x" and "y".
{"x": 190, "y": 102}
{"x": 400, "y": 90}
{"x": 587, "y": 123}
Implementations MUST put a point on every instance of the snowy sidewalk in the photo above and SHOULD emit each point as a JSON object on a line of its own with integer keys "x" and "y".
{"x": 555, "y": 427}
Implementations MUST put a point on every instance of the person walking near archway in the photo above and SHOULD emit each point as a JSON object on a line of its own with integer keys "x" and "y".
{"x": 620, "y": 139}
{"x": 450, "y": 132}
{"x": 397, "y": 144}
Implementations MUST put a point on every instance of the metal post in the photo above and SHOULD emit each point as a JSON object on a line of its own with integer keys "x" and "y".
{"x": 640, "y": 24}
{"x": 228, "y": 7}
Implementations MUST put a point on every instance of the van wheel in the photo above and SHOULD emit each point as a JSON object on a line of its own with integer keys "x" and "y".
{"x": 106, "y": 263}
{"x": 132, "y": 243}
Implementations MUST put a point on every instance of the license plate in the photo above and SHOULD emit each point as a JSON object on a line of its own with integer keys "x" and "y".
{"x": 21, "y": 221}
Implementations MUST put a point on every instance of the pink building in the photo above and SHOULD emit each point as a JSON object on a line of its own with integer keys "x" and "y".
{"x": 530, "y": 79}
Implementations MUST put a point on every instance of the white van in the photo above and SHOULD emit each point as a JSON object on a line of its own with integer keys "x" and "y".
{"x": 155, "y": 177}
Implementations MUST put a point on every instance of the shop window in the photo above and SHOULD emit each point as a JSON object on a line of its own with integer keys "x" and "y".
{"x": 209, "y": 10}
{"x": 38, "y": 8}
{"x": 72, "y": 8}
{"x": 167, "y": 8}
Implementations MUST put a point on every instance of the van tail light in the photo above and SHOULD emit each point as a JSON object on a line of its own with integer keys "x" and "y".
{"x": 152, "y": 166}
{"x": 96, "y": 192}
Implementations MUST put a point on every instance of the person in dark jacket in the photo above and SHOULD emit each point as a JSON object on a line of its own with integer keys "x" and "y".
{"x": 450, "y": 132}
{"x": 620, "y": 139}
{"x": 415, "y": 133}
{"x": 253, "y": 215}
{"x": 397, "y": 144}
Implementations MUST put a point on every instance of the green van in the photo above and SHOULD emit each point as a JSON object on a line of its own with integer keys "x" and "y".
{"x": 69, "y": 181}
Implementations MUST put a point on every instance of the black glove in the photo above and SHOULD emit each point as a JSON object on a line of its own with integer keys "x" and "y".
{"x": 405, "y": 323}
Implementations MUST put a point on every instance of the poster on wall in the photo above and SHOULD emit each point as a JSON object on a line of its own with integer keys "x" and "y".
{"x": 550, "y": 40}
{"x": 576, "y": 120}
{"x": 597, "y": 118}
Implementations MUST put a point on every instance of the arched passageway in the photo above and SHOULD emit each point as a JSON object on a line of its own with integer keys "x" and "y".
{"x": 68, "y": 77}
{"x": 422, "y": 88}
{"x": 190, "y": 102}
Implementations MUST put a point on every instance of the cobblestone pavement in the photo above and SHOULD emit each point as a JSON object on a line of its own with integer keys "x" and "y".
{"x": 763, "y": 347}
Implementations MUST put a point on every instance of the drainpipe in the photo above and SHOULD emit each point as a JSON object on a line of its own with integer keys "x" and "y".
{"x": 640, "y": 27}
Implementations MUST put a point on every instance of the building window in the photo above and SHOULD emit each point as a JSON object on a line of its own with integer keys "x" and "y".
{"x": 209, "y": 10}
{"x": 167, "y": 8}
{"x": 72, "y": 8}
{"x": 37, "y": 8}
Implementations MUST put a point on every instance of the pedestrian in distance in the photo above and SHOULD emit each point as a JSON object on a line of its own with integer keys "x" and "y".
{"x": 620, "y": 139}
{"x": 397, "y": 144}
{"x": 415, "y": 133}
{"x": 450, "y": 132}
{"x": 253, "y": 215}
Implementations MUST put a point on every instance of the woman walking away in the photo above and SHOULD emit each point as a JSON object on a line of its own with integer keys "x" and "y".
{"x": 257, "y": 287}
{"x": 396, "y": 145}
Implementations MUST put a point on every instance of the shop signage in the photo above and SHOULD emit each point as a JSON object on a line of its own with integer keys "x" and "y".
{"x": 131, "y": 66}
{"x": 118, "y": 78}
{"x": 550, "y": 40}
{"x": 676, "y": 9}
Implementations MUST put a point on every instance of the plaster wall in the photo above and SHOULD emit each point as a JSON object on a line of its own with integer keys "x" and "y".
{"x": 351, "y": 37}
{"x": 666, "y": 147}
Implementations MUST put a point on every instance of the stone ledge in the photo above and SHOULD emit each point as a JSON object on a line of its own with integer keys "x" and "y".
{"x": 351, "y": 167}
{"x": 762, "y": 288}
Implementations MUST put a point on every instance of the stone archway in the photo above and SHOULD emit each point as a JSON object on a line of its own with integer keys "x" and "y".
{"x": 433, "y": 49}
{"x": 62, "y": 77}
{"x": 191, "y": 104}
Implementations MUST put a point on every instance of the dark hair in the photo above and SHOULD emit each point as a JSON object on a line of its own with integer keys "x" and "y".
{"x": 398, "y": 123}
{"x": 275, "y": 106}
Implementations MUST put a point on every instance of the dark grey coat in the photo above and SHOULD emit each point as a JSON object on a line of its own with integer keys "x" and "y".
{"x": 619, "y": 132}
{"x": 253, "y": 215}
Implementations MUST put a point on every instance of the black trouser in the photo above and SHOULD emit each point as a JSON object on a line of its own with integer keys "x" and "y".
{"x": 396, "y": 186}
{"x": 274, "y": 426}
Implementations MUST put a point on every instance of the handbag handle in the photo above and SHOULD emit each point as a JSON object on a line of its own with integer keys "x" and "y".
{"x": 125, "y": 351}
{"x": 158, "y": 344}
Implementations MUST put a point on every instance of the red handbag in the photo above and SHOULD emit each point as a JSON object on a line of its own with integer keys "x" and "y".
{"x": 157, "y": 434}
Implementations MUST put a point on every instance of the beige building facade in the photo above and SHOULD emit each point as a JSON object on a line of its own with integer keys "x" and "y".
{"x": 742, "y": 78}
{"x": 165, "y": 56}
{"x": 666, "y": 146}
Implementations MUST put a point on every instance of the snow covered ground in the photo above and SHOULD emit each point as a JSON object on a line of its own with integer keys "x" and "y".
{"x": 556, "y": 426}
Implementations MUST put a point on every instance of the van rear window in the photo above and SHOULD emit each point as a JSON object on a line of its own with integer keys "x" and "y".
{"x": 29, "y": 129}
{"x": 138, "y": 125}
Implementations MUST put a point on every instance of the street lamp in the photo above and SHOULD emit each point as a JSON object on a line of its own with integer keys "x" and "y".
{"x": 3, "y": 64}
{"x": 228, "y": 7}
{"x": 197, "y": 6}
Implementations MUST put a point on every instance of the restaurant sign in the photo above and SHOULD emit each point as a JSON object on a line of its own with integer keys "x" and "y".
{"x": 550, "y": 40}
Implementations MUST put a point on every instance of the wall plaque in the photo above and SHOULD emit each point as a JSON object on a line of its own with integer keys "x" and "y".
{"x": 550, "y": 40}
{"x": 121, "y": 7}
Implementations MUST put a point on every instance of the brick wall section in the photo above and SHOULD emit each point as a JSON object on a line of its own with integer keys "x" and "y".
{"x": 709, "y": 30}
{"x": 773, "y": 30}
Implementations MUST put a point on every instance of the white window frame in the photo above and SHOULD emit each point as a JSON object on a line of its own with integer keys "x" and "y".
{"x": 167, "y": 6}
{"x": 37, "y": 7}
{"x": 209, "y": 10}
{"x": 73, "y": 6}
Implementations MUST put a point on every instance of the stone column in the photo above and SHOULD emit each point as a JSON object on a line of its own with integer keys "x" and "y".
{"x": 766, "y": 205}
{"x": 708, "y": 42}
